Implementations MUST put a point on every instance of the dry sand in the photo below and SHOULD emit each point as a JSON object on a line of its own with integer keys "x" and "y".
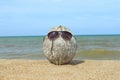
{"x": 43, "y": 70}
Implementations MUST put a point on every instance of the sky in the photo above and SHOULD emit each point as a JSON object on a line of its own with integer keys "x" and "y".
{"x": 37, "y": 17}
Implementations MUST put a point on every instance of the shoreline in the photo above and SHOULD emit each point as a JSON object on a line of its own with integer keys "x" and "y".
{"x": 20, "y": 69}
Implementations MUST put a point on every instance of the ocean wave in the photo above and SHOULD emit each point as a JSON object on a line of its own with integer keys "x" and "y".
{"x": 99, "y": 54}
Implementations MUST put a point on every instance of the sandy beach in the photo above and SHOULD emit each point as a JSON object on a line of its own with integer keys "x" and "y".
{"x": 43, "y": 70}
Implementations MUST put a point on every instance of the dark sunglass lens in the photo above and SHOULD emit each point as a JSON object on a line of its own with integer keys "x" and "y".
{"x": 66, "y": 35}
{"x": 53, "y": 35}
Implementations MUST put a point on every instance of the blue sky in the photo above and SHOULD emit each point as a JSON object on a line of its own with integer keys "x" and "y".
{"x": 36, "y": 17}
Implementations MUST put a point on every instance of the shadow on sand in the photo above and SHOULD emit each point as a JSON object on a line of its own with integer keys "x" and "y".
{"x": 76, "y": 62}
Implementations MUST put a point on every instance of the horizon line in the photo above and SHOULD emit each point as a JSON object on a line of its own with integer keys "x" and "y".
{"x": 74, "y": 35}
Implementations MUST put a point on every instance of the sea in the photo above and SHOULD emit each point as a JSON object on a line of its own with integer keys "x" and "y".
{"x": 89, "y": 47}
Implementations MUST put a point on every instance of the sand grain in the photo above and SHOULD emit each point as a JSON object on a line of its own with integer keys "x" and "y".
{"x": 43, "y": 70}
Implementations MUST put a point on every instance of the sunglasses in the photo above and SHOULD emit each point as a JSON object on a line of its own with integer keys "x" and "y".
{"x": 55, "y": 34}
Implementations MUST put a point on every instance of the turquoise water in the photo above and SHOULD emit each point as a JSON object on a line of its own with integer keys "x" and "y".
{"x": 100, "y": 47}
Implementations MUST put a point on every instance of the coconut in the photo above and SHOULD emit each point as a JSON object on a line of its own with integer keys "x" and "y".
{"x": 59, "y": 46}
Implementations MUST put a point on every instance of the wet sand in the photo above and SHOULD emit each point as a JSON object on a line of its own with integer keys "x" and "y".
{"x": 43, "y": 70}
